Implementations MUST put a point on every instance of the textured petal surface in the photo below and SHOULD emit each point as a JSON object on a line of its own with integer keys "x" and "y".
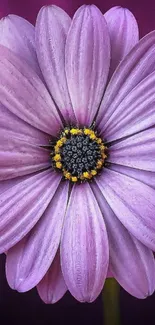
{"x": 52, "y": 287}
{"x": 135, "y": 113}
{"x": 7, "y": 184}
{"x": 141, "y": 175}
{"x": 29, "y": 260}
{"x": 132, "y": 202}
{"x": 137, "y": 151}
{"x": 131, "y": 263}
{"x": 51, "y": 31}
{"x": 84, "y": 248}
{"x": 22, "y": 205}
{"x": 87, "y": 61}
{"x": 24, "y": 94}
{"x": 137, "y": 65}
{"x": 124, "y": 34}
{"x": 13, "y": 126}
{"x": 18, "y": 157}
{"x": 18, "y": 35}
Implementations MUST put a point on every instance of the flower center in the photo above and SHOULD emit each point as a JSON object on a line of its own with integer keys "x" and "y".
{"x": 79, "y": 154}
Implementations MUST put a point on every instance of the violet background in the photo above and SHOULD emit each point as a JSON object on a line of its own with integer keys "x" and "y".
{"x": 27, "y": 308}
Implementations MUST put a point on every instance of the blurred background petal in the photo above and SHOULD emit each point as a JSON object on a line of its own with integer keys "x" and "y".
{"x": 144, "y": 11}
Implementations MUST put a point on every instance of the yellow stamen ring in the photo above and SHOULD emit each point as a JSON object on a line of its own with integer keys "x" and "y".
{"x": 58, "y": 165}
{"x": 57, "y": 154}
{"x": 57, "y": 157}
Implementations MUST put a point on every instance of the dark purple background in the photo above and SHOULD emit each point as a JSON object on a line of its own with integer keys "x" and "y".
{"x": 27, "y": 308}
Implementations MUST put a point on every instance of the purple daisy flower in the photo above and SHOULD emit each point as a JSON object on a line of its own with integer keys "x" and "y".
{"x": 77, "y": 153}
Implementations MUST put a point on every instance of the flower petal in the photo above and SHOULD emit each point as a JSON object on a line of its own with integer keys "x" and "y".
{"x": 52, "y": 287}
{"x": 30, "y": 259}
{"x": 18, "y": 157}
{"x": 137, "y": 65}
{"x": 13, "y": 126}
{"x": 131, "y": 263}
{"x": 17, "y": 34}
{"x": 141, "y": 175}
{"x": 137, "y": 151}
{"x": 135, "y": 113}
{"x": 24, "y": 94}
{"x": 51, "y": 31}
{"x": 23, "y": 205}
{"x": 87, "y": 61}
{"x": 7, "y": 184}
{"x": 124, "y": 34}
{"x": 84, "y": 248}
{"x": 132, "y": 202}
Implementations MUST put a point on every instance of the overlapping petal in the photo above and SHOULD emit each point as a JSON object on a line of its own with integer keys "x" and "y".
{"x": 52, "y": 287}
{"x": 30, "y": 259}
{"x": 87, "y": 61}
{"x": 144, "y": 176}
{"x": 84, "y": 248}
{"x": 51, "y": 31}
{"x": 136, "y": 66}
{"x": 135, "y": 113}
{"x": 13, "y": 126}
{"x": 18, "y": 35}
{"x": 22, "y": 205}
{"x": 131, "y": 263}
{"x": 137, "y": 151}
{"x": 124, "y": 34}
{"x": 132, "y": 202}
{"x": 25, "y": 95}
{"x": 18, "y": 158}
{"x": 7, "y": 184}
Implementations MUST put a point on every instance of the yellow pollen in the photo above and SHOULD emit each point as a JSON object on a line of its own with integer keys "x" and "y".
{"x": 102, "y": 147}
{"x": 99, "y": 164}
{"x": 57, "y": 157}
{"x": 63, "y": 139}
{"x": 58, "y": 164}
{"x": 87, "y": 131}
{"x": 59, "y": 143}
{"x": 93, "y": 172}
{"x": 66, "y": 131}
{"x": 104, "y": 156}
{"x": 98, "y": 140}
{"x": 67, "y": 175}
{"x": 57, "y": 149}
{"x": 74, "y": 179}
{"x": 75, "y": 131}
{"x": 87, "y": 175}
{"x": 92, "y": 136}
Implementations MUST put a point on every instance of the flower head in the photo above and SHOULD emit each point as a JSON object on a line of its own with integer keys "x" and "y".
{"x": 77, "y": 153}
